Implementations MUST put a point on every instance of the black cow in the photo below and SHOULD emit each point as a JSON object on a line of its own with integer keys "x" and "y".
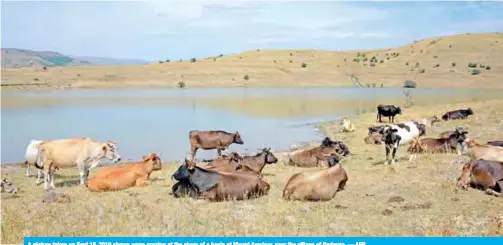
{"x": 375, "y": 129}
{"x": 457, "y": 114}
{"x": 389, "y": 111}
{"x": 496, "y": 143}
{"x": 391, "y": 140}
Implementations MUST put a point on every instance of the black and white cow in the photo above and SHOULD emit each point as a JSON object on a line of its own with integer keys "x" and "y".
{"x": 400, "y": 134}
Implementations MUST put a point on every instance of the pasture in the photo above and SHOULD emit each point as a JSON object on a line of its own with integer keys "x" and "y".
{"x": 405, "y": 199}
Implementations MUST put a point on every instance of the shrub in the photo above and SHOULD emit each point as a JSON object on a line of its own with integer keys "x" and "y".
{"x": 36, "y": 79}
{"x": 422, "y": 70}
{"x": 358, "y": 54}
{"x": 482, "y": 66}
{"x": 337, "y": 66}
{"x": 167, "y": 61}
{"x": 258, "y": 50}
{"x": 372, "y": 64}
{"x": 246, "y": 77}
{"x": 364, "y": 55}
{"x": 193, "y": 60}
{"x": 221, "y": 55}
{"x": 450, "y": 46}
{"x": 382, "y": 61}
{"x": 357, "y": 60}
{"x": 437, "y": 65}
{"x": 417, "y": 64}
{"x": 488, "y": 67}
{"x": 303, "y": 65}
{"x": 45, "y": 68}
{"x": 291, "y": 61}
{"x": 387, "y": 58}
{"x": 181, "y": 84}
{"x": 434, "y": 57}
{"x": 291, "y": 54}
{"x": 475, "y": 72}
{"x": 472, "y": 65}
{"x": 409, "y": 84}
{"x": 453, "y": 64}
{"x": 406, "y": 63}
{"x": 214, "y": 59}
{"x": 160, "y": 61}
{"x": 365, "y": 59}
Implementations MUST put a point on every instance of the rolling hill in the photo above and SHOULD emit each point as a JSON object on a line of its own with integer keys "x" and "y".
{"x": 14, "y": 58}
{"x": 458, "y": 61}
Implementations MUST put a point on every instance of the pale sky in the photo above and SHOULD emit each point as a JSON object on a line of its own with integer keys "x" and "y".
{"x": 154, "y": 30}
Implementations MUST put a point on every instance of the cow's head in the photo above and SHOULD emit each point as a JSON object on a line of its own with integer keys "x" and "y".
{"x": 155, "y": 160}
{"x": 237, "y": 138}
{"x": 390, "y": 135}
{"x": 341, "y": 148}
{"x": 269, "y": 157}
{"x": 110, "y": 151}
{"x": 333, "y": 160}
{"x": 464, "y": 179}
{"x": 327, "y": 142}
{"x": 421, "y": 128}
{"x": 8, "y": 186}
{"x": 399, "y": 110}
{"x": 183, "y": 172}
{"x": 469, "y": 111}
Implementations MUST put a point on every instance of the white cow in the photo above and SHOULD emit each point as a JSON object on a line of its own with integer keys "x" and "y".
{"x": 31, "y": 156}
{"x": 83, "y": 153}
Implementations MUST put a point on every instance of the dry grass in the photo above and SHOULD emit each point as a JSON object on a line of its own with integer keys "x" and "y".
{"x": 272, "y": 68}
{"x": 406, "y": 199}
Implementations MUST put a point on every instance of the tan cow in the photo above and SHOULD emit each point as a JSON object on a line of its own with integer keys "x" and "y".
{"x": 347, "y": 125}
{"x": 317, "y": 185}
{"x": 486, "y": 152}
{"x": 83, "y": 153}
{"x": 482, "y": 174}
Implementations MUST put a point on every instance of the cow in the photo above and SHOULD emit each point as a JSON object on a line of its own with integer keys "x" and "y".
{"x": 230, "y": 163}
{"x": 486, "y": 152}
{"x": 317, "y": 185}
{"x": 219, "y": 186}
{"x": 447, "y": 134}
{"x": 31, "y": 156}
{"x": 341, "y": 148}
{"x": 442, "y": 145}
{"x": 400, "y": 134}
{"x": 209, "y": 140}
{"x": 255, "y": 164}
{"x": 375, "y": 129}
{"x": 347, "y": 125}
{"x": 120, "y": 178}
{"x": 482, "y": 174}
{"x": 310, "y": 158}
{"x": 389, "y": 111}
{"x": 83, "y": 153}
{"x": 457, "y": 114}
{"x": 7, "y": 186}
{"x": 496, "y": 143}
{"x": 373, "y": 139}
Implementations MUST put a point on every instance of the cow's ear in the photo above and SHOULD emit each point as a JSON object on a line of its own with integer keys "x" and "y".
{"x": 394, "y": 130}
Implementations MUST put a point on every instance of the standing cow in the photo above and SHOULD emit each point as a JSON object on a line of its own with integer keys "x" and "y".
{"x": 400, "y": 134}
{"x": 209, "y": 140}
{"x": 31, "y": 156}
{"x": 389, "y": 111}
{"x": 83, "y": 153}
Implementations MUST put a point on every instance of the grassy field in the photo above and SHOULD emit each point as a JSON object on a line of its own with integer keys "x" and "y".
{"x": 433, "y": 62}
{"x": 406, "y": 199}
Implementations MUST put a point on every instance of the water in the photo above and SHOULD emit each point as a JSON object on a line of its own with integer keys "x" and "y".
{"x": 142, "y": 121}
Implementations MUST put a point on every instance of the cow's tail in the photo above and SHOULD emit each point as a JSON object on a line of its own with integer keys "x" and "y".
{"x": 26, "y": 162}
{"x": 445, "y": 117}
{"x": 38, "y": 161}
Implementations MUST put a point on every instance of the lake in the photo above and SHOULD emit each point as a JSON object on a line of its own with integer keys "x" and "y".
{"x": 142, "y": 121}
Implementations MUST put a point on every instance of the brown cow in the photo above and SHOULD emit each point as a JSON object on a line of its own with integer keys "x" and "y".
{"x": 230, "y": 163}
{"x": 311, "y": 157}
{"x": 442, "y": 145}
{"x": 482, "y": 174}
{"x": 120, "y": 178}
{"x": 317, "y": 185}
{"x": 447, "y": 134}
{"x": 486, "y": 152}
{"x": 496, "y": 143}
{"x": 218, "y": 186}
{"x": 373, "y": 139}
{"x": 209, "y": 140}
{"x": 255, "y": 164}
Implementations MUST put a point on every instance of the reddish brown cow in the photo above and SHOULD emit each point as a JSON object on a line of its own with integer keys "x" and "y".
{"x": 482, "y": 174}
{"x": 120, "y": 178}
{"x": 373, "y": 139}
{"x": 217, "y": 186}
{"x": 230, "y": 163}
{"x": 432, "y": 145}
{"x": 255, "y": 164}
{"x": 209, "y": 140}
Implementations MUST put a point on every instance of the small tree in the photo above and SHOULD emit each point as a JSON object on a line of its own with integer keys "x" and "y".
{"x": 422, "y": 70}
{"x": 472, "y": 65}
{"x": 488, "y": 67}
{"x": 160, "y": 62}
{"x": 181, "y": 84}
{"x": 304, "y": 65}
{"x": 475, "y": 72}
{"x": 372, "y": 64}
{"x": 453, "y": 64}
{"x": 437, "y": 65}
{"x": 193, "y": 60}
{"x": 167, "y": 60}
{"x": 409, "y": 84}
{"x": 246, "y": 77}
{"x": 382, "y": 61}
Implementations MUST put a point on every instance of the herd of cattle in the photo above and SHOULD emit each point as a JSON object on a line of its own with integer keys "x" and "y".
{"x": 239, "y": 177}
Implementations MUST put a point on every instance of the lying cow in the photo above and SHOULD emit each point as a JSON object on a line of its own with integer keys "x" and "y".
{"x": 400, "y": 134}
{"x": 119, "y": 178}
{"x": 373, "y": 139}
{"x": 218, "y": 186}
{"x": 486, "y": 152}
{"x": 31, "y": 156}
{"x": 255, "y": 164}
{"x": 209, "y": 140}
{"x": 389, "y": 111}
{"x": 7, "y": 186}
{"x": 482, "y": 174}
{"x": 447, "y": 134}
{"x": 230, "y": 163}
{"x": 347, "y": 125}
{"x": 310, "y": 158}
{"x": 83, "y": 153}
{"x": 317, "y": 185}
{"x": 496, "y": 143}
{"x": 442, "y": 145}
{"x": 342, "y": 148}
{"x": 375, "y": 129}
{"x": 457, "y": 114}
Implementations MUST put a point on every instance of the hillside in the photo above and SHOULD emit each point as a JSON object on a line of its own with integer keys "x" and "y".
{"x": 110, "y": 61}
{"x": 13, "y": 58}
{"x": 434, "y": 62}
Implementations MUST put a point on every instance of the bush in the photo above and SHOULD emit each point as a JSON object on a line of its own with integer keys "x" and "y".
{"x": 303, "y": 65}
{"x": 167, "y": 61}
{"x": 437, "y": 65}
{"x": 475, "y": 72}
{"x": 488, "y": 67}
{"x": 181, "y": 84}
{"x": 406, "y": 63}
{"x": 357, "y": 60}
{"x": 365, "y": 59}
{"x": 482, "y": 66}
{"x": 382, "y": 61}
{"x": 291, "y": 54}
{"x": 372, "y": 64}
{"x": 193, "y": 60}
{"x": 422, "y": 70}
{"x": 450, "y": 46}
{"x": 36, "y": 79}
{"x": 417, "y": 64}
{"x": 434, "y": 57}
{"x": 291, "y": 61}
{"x": 160, "y": 61}
{"x": 453, "y": 64}
{"x": 246, "y": 77}
{"x": 472, "y": 65}
{"x": 45, "y": 68}
{"x": 409, "y": 84}
{"x": 387, "y": 58}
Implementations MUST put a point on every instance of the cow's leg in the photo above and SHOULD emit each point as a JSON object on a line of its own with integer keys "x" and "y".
{"x": 52, "y": 181}
{"x": 82, "y": 173}
{"x": 193, "y": 151}
{"x": 387, "y": 153}
{"x": 47, "y": 178}
{"x": 142, "y": 182}
{"x": 219, "y": 151}
{"x": 39, "y": 177}
{"x": 492, "y": 192}
{"x": 27, "y": 170}
{"x": 393, "y": 155}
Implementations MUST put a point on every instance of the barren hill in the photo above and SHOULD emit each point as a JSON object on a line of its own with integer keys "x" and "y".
{"x": 14, "y": 58}
{"x": 462, "y": 61}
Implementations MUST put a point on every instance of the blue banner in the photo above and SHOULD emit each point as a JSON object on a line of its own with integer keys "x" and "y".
{"x": 259, "y": 240}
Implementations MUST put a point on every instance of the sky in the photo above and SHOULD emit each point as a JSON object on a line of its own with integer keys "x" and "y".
{"x": 155, "y": 30}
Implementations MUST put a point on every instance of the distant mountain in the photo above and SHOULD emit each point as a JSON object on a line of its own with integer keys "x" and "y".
{"x": 110, "y": 61}
{"x": 13, "y": 57}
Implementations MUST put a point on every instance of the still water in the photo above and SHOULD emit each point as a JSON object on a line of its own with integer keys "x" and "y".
{"x": 142, "y": 121}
